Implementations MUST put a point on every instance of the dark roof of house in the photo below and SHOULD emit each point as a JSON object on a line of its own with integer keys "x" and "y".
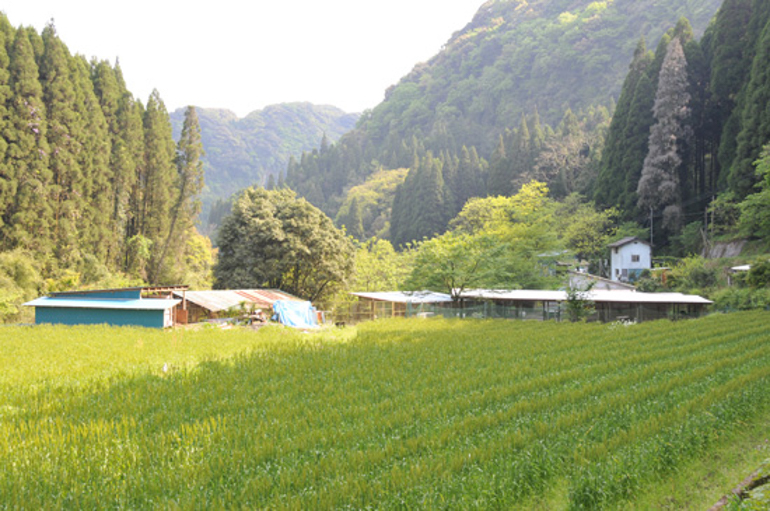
{"x": 627, "y": 240}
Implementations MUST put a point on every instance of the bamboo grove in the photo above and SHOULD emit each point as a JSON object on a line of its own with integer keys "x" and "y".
{"x": 401, "y": 413}
{"x": 91, "y": 180}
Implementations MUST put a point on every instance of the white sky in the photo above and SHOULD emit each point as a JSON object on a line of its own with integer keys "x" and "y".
{"x": 245, "y": 54}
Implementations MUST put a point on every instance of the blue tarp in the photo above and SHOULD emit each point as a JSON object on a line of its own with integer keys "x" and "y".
{"x": 295, "y": 313}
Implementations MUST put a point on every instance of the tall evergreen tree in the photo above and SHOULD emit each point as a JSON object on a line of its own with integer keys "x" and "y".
{"x": 30, "y": 217}
{"x": 636, "y": 135}
{"x": 659, "y": 186}
{"x": 94, "y": 161}
{"x": 189, "y": 183}
{"x": 66, "y": 190}
{"x": 629, "y": 113}
{"x": 755, "y": 122}
{"x": 500, "y": 176}
{"x": 7, "y": 182}
{"x": 130, "y": 173}
{"x": 159, "y": 174}
{"x": 420, "y": 205}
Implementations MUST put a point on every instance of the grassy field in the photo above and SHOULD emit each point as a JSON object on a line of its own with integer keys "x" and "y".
{"x": 393, "y": 414}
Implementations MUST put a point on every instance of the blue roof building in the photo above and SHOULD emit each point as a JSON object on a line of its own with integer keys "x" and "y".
{"x": 119, "y": 307}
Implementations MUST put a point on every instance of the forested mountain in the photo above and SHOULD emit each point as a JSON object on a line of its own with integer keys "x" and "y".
{"x": 92, "y": 183}
{"x": 691, "y": 124}
{"x": 244, "y": 152}
{"x": 544, "y": 71}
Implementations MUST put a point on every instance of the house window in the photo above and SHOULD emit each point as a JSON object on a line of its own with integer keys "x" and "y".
{"x": 635, "y": 258}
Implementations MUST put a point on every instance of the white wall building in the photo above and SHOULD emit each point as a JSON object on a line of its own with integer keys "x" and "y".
{"x": 628, "y": 258}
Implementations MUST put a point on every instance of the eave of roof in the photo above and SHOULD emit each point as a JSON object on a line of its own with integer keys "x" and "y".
{"x": 405, "y": 296}
{"x": 627, "y": 240}
{"x": 599, "y": 296}
{"x": 104, "y": 303}
{"x": 223, "y": 299}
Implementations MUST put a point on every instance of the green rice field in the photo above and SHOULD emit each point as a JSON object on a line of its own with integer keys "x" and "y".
{"x": 418, "y": 413}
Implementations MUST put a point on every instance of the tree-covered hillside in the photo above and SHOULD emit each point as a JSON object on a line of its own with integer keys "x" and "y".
{"x": 538, "y": 59}
{"x": 244, "y": 152}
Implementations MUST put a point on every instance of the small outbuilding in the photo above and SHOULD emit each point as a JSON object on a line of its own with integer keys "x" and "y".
{"x": 387, "y": 304}
{"x": 614, "y": 305}
{"x": 140, "y": 306}
{"x": 203, "y": 305}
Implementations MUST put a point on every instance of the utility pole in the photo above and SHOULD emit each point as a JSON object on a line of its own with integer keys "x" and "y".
{"x": 651, "y": 229}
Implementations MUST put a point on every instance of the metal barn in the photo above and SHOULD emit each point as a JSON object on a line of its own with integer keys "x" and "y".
{"x": 118, "y": 307}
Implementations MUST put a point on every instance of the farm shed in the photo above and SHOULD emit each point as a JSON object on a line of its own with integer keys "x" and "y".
{"x": 396, "y": 304}
{"x": 614, "y": 305}
{"x": 141, "y": 306}
{"x": 202, "y": 305}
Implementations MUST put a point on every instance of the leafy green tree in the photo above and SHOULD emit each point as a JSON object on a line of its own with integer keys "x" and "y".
{"x": 454, "y": 262}
{"x": 579, "y": 304}
{"x": 586, "y": 232}
{"x": 379, "y": 267}
{"x": 755, "y": 209}
{"x": 272, "y": 239}
{"x": 759, "y": 275}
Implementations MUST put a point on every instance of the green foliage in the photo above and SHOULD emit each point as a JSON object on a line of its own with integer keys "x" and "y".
{"x": 692, "y": 274}
{"x": 423, "y": 204}
{"x": 586, "y": 231}
{"x": 402, "y": 413}
{"x": 379, "y": 267}
{"x": 755, "y": 209}
{"x": 273, "y": 239}
{"x": 20, "y": 280}
{"x": 759, "y": 274}
{"x": 498, "y": 242}
{"x": 579, "y": 305}
{"x": 741, "y": 299}
{"x": 755, "y": 127}
{"x": 373, "y": 203}
{"x": 689, "y": 241}
{"x": 454, "y": 262}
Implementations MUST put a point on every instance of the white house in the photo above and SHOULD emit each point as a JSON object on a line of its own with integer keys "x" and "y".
{"x": 628, "y": 258}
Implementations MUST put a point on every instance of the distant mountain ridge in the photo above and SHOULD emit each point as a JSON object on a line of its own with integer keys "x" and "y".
{"x": 244, "y": 151}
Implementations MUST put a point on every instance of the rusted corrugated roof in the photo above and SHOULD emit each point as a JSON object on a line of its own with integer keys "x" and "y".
{"x": 219, "y": 300}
